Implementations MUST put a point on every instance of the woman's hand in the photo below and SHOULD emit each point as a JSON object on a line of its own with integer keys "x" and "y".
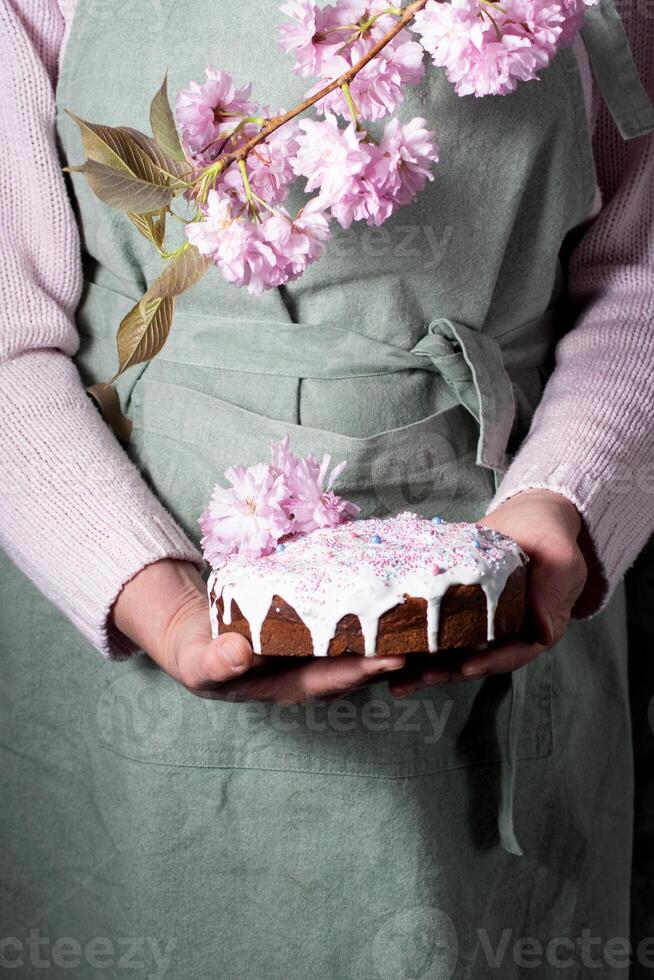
{"x": 164, "y": 610}
{"x": 547, "y": 526}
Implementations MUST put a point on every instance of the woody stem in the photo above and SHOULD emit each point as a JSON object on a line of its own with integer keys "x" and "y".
{"x": 272, "y": 125}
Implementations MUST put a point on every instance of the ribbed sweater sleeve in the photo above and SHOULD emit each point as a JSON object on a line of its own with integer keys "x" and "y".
{"x": 75, "y": 514}
{"x": 592, "y": 437}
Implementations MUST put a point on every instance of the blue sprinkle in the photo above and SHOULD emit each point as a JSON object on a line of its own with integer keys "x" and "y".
{"x": 376, "y": 539}
{"x": 476, "y": 543}
{"x": 437, "y": 520}
{"x": 280, "y": 547}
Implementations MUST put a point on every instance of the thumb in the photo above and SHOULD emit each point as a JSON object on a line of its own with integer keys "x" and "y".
{"x": 557, "y": 576}
{"x": 206, "y": 665}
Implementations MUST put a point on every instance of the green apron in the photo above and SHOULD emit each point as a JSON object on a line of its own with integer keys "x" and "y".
{"x": 357, "y": 838}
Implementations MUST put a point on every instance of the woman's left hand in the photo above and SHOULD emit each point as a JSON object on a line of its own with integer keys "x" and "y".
{"x": 547, "y": 526}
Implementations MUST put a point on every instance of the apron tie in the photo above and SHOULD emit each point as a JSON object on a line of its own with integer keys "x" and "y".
{"x": 509, "y": 763}
{"x": 615, "y": 72}
{"x": 471, "y": 362}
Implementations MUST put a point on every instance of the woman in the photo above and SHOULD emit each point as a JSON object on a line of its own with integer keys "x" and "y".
{"x": 308, "y": 820}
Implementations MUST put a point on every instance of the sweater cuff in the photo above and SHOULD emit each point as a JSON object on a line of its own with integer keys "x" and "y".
{"x": 154, "y": 541}
{"x": 612, "y": 516}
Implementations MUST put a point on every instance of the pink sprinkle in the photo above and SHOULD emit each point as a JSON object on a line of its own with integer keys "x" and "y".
{"x": 436, "y": 570}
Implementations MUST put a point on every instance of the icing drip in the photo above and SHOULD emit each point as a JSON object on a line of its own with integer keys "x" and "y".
{"x": 213, "y": 607}
{"x": 433, "y": 617}
{"x": 365, "y": 568}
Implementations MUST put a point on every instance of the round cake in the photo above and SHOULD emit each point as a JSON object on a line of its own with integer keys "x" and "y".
{"x": 376, "y": 587}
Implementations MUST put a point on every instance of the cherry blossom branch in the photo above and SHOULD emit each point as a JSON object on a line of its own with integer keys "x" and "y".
{"x": 276, "y": 122}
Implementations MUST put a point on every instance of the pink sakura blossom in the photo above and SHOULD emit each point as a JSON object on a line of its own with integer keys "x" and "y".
{"x": 301, "y": 36}
{"x": 330, "y": 157}
{"x": 404, "y": 165}
{"x": 311, "y": 501}
{"x": 486, "y": 49}
{"x": 358, "y": 179}
{"x": 247, "y": 518}
{"x": 267, "y": 502}
{"x": 378, "y": 89}
{"x": 573, "y": 14}
{"x": 209, "y": 112}
{"x": 329, "y": 41}
{"x": 269, "y": 166}
{"x": 297, "y": 242}
{"x": 260, "y": 254}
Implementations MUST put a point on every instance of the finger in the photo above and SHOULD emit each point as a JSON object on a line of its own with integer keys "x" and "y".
{"x": 309, "y": 679}
{"x": 501, "y": 660}
{"x": 339, "y": 674}
{"x": 217, "y": 662}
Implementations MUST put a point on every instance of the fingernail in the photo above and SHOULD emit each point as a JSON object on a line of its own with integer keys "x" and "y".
{"x": 475, "y": 671}
{"x": 385, "y": 664}
{"x": 234, "y": 656}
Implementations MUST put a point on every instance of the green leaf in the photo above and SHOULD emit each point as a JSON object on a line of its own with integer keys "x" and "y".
{"x": 101, "y": 144}
{"x": 124, "y": 191}
{"x": 151, "y": 226}
{"x": 178, "y": 169}
{"x": 163, "y": 124}
{"x": 122, "y": 149}
{"x": 180, "y": 274}
{"x": 143, "y": 331}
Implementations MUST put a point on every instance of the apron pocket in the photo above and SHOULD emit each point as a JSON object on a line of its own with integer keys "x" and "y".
{"x": 183, "y": 440}
{"x": 144, "y": 715}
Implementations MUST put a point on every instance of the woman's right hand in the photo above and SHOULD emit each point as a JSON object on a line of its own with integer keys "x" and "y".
{"x": 164, "y": 611}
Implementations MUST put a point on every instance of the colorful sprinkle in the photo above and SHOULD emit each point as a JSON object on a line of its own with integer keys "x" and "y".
{"x": 376, "y": 539}
{"x": 437, "y": 520}
{"x": 280, "y": 548}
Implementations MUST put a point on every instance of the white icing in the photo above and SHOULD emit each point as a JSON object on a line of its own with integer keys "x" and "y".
{"x": 333, "y": 572}
{"x": 213, "y": 607}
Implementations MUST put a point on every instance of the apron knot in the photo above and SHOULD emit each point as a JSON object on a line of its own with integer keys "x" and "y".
{"x": 472, "y": 363}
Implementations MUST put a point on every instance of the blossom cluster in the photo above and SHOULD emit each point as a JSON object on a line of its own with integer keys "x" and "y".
{"x": 362, "y": 180}
{"x": 268, "y": 501}
{"x": 484, "y": 46}
{"x": 327, "y": 42}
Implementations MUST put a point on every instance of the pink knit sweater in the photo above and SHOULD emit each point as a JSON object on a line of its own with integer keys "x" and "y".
{"x": 74, "y": 512}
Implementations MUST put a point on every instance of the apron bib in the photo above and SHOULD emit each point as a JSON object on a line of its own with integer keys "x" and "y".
{"x": 359, "y": 838}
